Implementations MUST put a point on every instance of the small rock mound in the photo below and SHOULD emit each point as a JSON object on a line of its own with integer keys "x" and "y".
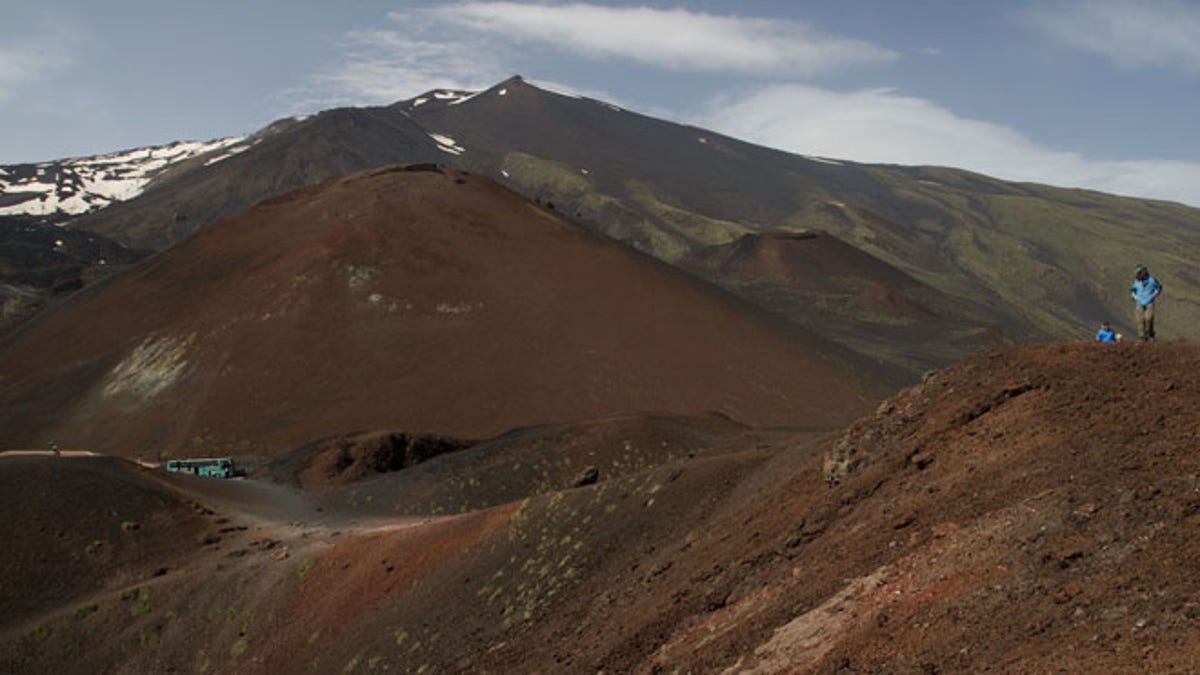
{"x": 350, "y": 458}
{"x": 589, "y": 476}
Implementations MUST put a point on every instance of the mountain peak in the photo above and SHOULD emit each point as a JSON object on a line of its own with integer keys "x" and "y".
{"x": 436, "y": 99}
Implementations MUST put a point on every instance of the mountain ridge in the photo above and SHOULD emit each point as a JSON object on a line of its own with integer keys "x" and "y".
{"x": 1023, "y": 261}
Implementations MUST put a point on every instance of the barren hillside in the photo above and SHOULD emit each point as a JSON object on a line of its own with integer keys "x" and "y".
{"x": 1023, "y": 511}
{"x": 409, "y": 298}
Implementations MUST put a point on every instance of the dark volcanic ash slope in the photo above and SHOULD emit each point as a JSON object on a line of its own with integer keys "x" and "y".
{"x": 839, "y": 291}
{"x": 75, "y": 527}
{"x": 1040, "y": 261}
{"x": 666, "y": 188}
{"x": 284, "y": 156}
{"x": 40, "y": 263}
{"x": 410, "y": 299}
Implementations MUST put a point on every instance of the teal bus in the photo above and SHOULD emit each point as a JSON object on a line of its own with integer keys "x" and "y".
{"x": 220, "y": 467}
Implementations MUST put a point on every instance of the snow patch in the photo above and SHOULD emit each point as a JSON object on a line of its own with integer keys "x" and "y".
{"x": 504, "y": 92}
{"x": 229, "y": 153}
{"x": 80, "y": 185}
{"x": 447, "y": 144}
{"x": 420, "y": 102}
{"x": 464, "y": 99}
{"x": 454, "y": 97}
{"x": 822, "y": 160}
{"x": 504, "y": 173}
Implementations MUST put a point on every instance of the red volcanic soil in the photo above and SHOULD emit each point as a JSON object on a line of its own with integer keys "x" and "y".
{"x": 1029, "y": 510}
{"x": 1038, "y": 507}
{"x": 349, "y": 458}
{"x": 842, "y": 293}
{"x": 417, "y": 299}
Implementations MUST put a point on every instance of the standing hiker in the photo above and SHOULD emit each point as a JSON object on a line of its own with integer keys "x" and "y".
{"x": 1144, "y": 290}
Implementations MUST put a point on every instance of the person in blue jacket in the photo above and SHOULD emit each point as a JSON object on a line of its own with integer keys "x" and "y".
{"x": 1106, "y": 333}
{"x": 1144, "y": 291}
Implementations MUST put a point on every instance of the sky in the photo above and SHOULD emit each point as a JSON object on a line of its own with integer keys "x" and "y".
{"x": 1100, "y": 94}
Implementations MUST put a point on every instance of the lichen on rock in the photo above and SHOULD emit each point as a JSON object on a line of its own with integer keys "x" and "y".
{"x": 151, "y": 368}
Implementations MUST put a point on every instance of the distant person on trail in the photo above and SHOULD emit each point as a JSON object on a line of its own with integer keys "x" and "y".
{"x": 1144, "y": 291}
{"x": 1106, "y": 333}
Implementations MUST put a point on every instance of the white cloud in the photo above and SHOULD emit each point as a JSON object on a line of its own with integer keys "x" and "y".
{"x": 385, "y": 66}
{"x": 1133, "y": 34}
{"x": 675, "y": 39}
{"x": 885, "y": 127}
{"x": 475, "y": 44}
{"x": 26, "y": 62}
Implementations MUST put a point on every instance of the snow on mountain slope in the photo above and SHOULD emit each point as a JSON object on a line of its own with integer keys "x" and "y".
{"x": 447, "y": 144}
{"x": 440, "y": 96}
{"x": 74, "y": 186}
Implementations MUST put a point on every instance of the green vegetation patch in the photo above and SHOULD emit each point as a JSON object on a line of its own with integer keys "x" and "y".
{"x": 141, "y": 599}
{"x": 544, "y": 175}
{"x": 697, "y": 229}
{"x": 659, "y": 243}
{"x": 306, "y": 567}
{"x": 239, "y": 647}
{"x": 12, "y": 307}
{"x": 564, "y": 185}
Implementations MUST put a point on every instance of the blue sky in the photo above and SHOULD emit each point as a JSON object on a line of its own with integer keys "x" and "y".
{"x": 1091, "y": 93}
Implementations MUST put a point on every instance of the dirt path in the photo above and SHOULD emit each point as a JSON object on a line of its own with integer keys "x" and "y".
{"x": 47, "y": 453}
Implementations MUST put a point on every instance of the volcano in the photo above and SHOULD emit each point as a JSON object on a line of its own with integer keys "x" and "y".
{"x": 410, "y": 298}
